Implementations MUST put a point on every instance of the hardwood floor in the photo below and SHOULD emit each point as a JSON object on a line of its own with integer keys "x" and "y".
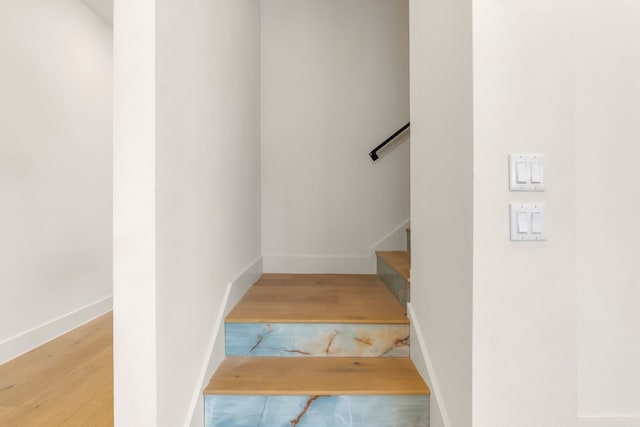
{"x": 65, "y": 382}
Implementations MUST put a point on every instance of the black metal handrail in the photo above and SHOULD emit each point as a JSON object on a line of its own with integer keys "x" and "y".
{"x": 374, "y": 154}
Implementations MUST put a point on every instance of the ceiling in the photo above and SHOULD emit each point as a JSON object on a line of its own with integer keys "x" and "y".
{"x": 102, "y": 8}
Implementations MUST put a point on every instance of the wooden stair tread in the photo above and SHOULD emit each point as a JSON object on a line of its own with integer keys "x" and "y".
{"x": 316, "y": 376}
{"x": 399, "y": 261}
{"x": 318, "y": 298}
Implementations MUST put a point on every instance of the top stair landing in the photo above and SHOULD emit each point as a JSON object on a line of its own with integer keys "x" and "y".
{"x": 318, "y": 298}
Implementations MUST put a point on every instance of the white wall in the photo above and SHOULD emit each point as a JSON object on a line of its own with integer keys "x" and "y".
{"x": 134, "y": 293}
{"x": 607, "y": 134}
{"x": 102, "y": 8}
{"x": 207, "y": 177}
{"x": 523, "y": 360}
{"x": 441, "y": 202}
{"x": 55, "y": 170}
{"x": 134, "y": 269}
{"x": 189, "y": 118}
{"x": 524, "y": 295}
{"x": 334, "y": 85}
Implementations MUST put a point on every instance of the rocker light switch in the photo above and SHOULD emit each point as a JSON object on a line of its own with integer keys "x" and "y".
{"x": 537, "y": 222}
{"x": 536, "y": 172}
{"x": 522, "y": 173}
{"x": 523, "y": 222}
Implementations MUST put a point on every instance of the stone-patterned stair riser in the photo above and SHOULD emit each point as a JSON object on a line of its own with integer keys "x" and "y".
{"x": 317, "y": 339}
{"x": 316, "y": 411}
{"x": 399, "y": 287}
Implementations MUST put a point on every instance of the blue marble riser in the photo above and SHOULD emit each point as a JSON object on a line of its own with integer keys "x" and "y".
{"x": 399, "y": 287}
{"x": 316, "y": 339}
{"x": 316, "y": 411}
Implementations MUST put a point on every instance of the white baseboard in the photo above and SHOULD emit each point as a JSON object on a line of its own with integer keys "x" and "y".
{"x": 396, "y": 240}
{"x": 422, "y": 360}
{"x": 338, "y": 264}
{"x": 215, "y": 350}
{"x": 28, "y": 340}
{"x": 310, "y": 264}
{"x": 596, "y": 421}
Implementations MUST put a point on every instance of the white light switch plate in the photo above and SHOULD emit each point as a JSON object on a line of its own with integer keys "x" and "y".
{"x": 526, "y": 172}
{"x": 528, "y": 222}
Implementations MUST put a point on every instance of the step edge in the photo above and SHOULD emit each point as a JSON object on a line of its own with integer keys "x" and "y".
{"x": 208, "y": 392}
{"x": 321, "y": 321}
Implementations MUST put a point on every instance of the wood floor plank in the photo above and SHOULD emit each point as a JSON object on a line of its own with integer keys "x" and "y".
{"x": 54, "y": 359}
{"x": 50, "y": 384}
{"x": 57, "y": 402}
{"x": 97, "y": 412}
{"x": 25, "y": 388}
{"x": 319, "y": 298}
{"x": 5, "y": 411}
{"x": 316, "y": 376}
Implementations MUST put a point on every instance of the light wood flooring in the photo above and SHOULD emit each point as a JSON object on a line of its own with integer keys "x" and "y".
{"x": 318, "y": 298}
{"x": 65, "y": 382}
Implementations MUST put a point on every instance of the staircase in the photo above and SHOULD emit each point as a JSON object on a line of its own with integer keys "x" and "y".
{"x": 317, "y": 350}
